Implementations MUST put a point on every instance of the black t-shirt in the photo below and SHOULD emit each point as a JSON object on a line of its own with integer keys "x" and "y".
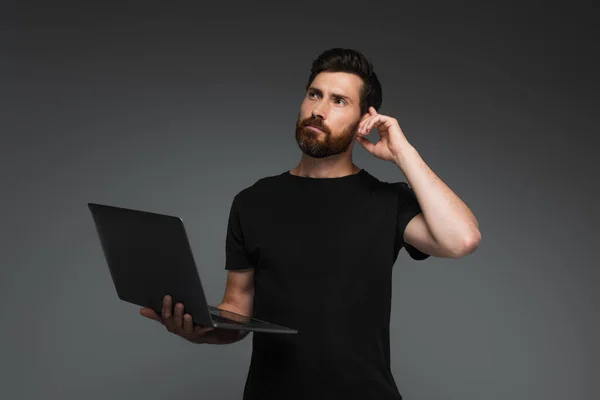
{"x": 322, "y": 250}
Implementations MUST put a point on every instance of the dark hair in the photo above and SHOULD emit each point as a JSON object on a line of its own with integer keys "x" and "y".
{"x": 351, "y": 61}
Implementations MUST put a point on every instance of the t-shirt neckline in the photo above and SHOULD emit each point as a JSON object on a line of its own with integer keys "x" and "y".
{"x": 333, "y": 179}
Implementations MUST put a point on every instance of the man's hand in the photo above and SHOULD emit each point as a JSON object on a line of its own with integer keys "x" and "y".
{"x": 180, "y": 324}
{"x": 392, "y": 140}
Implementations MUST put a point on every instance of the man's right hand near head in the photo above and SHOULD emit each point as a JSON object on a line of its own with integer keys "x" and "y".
{"x": 177, "y": 322}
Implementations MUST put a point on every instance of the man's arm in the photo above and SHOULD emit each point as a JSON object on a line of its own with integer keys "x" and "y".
{"x": 239, "y": 295}
{"x": 446, "y": 227}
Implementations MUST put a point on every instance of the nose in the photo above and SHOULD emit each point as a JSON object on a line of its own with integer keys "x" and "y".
{"x": 320, "y": 111}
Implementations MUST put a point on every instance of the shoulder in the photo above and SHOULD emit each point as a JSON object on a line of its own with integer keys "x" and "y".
{"x": 397, "y": 189}
{"x": 257, "y": 189}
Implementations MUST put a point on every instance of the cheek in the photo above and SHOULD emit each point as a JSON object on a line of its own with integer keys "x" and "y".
{"x": 305, "y": 110}
{"x": 341, "y": 123}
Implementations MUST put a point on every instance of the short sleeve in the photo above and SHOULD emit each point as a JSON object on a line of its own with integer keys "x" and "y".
{"x": 408, "y": 208}
{"x": 236, "y": 256}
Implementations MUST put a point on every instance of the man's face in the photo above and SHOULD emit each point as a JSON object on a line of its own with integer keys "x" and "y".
{"x": 332, "y": 105}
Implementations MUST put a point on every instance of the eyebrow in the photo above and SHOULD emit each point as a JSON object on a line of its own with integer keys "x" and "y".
{"x": 341, "y": 96}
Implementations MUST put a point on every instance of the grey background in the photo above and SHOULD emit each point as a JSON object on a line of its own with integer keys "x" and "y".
{"x": 176, "y": 110}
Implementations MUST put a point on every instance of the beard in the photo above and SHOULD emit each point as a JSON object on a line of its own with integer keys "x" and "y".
{"x": 322, "y": 144}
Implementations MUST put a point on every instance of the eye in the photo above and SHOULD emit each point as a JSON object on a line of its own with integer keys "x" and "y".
{"x": 340, "y": 99}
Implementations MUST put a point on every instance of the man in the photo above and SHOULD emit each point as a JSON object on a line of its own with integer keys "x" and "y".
{"x": 313, "y": 247}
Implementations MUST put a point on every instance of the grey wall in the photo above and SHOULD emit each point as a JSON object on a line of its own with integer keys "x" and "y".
{"x": 177, "y": 110}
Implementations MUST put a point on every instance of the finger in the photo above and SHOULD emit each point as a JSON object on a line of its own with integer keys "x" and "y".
{"x": 374, "y": 120}
{"x": 178, "y": 317}
{"x": 377, "y": 120}
{"x": 166, "y": 307}
{"x": 366, "y": 144}
{"x": 188, "y": 325}
{"x": 167, "y": 314}
{"x": 372, "y": 111}
{"x": 151, "y": 314}
{"x": 361, "y": 127}
{"x": 362, "y": 121}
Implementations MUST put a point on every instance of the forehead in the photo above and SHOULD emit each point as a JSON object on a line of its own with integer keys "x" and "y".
{"x": 339, "y": 83}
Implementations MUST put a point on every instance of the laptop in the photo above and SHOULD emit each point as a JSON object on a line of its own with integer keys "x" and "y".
{"x": 149, "y": 256}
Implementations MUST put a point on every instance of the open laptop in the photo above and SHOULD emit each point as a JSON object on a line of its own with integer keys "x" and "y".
{"x": 149, "y": 256}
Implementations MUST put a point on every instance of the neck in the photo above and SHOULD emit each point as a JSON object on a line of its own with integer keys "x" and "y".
{"x": 329, "y": 167}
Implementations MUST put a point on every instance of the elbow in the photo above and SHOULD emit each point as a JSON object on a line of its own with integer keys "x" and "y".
{"x": 472, "y": 243}
{"x": 467, "y": 246}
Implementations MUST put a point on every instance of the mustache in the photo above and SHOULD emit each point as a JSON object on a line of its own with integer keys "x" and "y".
{"x": 316, "y": 123}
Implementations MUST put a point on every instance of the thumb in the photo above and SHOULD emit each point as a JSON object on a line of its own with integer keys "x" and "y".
{"x": 199, "y": 329}
{"x": 151, "y": 314}
{"x": 364, "y": 142}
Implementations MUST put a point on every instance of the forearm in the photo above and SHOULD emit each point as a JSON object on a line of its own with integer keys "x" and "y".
{"x": 449, "y": 220}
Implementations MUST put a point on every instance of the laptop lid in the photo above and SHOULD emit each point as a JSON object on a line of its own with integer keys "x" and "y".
{"x": 149, "y": 256}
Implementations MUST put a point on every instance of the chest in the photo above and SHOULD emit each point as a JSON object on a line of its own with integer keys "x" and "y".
{"x": 315, "y": 238}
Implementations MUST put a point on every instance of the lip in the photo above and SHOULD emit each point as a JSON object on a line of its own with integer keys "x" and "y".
{"x": 314, "y": 128}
